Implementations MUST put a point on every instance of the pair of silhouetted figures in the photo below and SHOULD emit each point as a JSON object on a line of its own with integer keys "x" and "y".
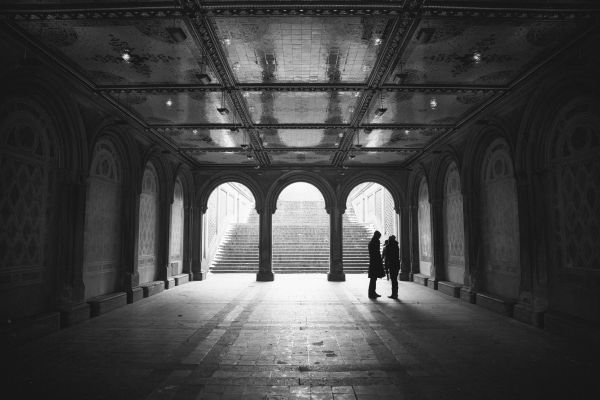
{"x": 377, "y": 269}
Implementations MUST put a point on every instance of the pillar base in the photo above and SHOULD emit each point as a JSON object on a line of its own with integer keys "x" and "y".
{"x": 336, "y": 277}
{"x": 265, "y": 276}
{"x": 199, "y": 276}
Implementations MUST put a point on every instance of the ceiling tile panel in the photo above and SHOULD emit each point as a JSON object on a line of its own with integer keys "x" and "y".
{"x": 416, "y": 107}
{"x": 319, "y": 138}
{"x": 303, "y": 49}
{"x": 398, "y": 138}
{"x": 443, "y": 51}
{"x": 206, "y": 138}
{"x": 160, "y": 51}
{"x": 271, "y": 107}
{"x": 378, "y": 158}
{"x": 301, "y": 157}
{"x": 178, "y": 108}
{"x": 221, "y": 157}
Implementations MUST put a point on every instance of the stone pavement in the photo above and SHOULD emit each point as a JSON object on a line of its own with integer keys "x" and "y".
{"x": 300, "y": 337}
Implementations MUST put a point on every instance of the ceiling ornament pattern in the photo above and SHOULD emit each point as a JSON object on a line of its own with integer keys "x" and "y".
{"x": 302, "y": 82}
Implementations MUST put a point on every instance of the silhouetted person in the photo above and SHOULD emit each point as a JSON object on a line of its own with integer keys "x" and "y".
{"x": 392, "y": 264}
{"x": 387, "y": 273}
{"x": 375, "y": 264}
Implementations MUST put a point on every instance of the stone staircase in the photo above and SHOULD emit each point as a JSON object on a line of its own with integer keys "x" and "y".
{"x": 300, "y": 241}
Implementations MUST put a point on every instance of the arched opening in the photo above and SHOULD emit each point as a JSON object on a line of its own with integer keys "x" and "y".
{"x": 454, "y": 230}
{"x": 300, "y": 230}
{"x": 102, "y": 235}
{"x": 500, "y": 223}
{"x": 369, "y": 207}
{"x": 176, "y": 235}
{"x": 148, "y": 227}
{"x": 424, "y": 229}
{"x": 230, "y": 230}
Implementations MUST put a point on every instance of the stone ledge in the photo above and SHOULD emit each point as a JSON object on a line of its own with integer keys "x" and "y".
{"x": 74, "y": 314}
{"x": 134, "y": 294}
{"x": 432, "y": 284}
{"x": 420, "y": 279}
{"x": 107, "y": 302}
{"x": 495, "y": 304}
{"x": 449, "y": 288}
{"x": 181, "y": 279}
{"x": 152, "y": 288}
{"x": 525, "y": 313}
{"x": 27, "y": 329}
{"x": 467, "y": 294}
{"x": 169, "y": 282}
{"x": 572, "y": 327}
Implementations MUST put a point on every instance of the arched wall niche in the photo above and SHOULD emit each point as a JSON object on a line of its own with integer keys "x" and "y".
{"x": 204, "y": 191}
{"x": 300, "y": 176}
{"x": 424, "y": 228}
{"x": 148, "y": 225}
{"x": 176, "y": 239}
{"x": 454, "y": 234}
{"x": 381, "y": 179}
{"x": 32, "y": 154}
{"x": 102, "y": 270}
{"x": 569, "y": 161}
{"x": 501, "y": 269}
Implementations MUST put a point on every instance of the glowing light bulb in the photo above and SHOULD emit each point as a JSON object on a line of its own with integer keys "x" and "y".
{"x": 169, "y": 103}
{"x": 377, "y": 41}
{"x": 126, "y": 56}
{"x": 195, "y": 131}
{"x": 477, "y": 57}
{"x": 433, "y": 103}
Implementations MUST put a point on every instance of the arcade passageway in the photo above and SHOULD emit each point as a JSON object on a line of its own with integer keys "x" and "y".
{"x": 301, "y": 337}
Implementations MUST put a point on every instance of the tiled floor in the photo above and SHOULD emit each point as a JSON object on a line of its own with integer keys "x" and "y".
{"x": 300, "y": 337}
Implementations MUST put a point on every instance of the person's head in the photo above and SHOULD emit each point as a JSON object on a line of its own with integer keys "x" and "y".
{"x": 386, "y": 242}
{"x": 392, "y": 239}
{"x": 376, "y": 235}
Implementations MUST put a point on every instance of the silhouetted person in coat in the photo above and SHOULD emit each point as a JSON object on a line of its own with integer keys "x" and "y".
{"x": 392, "y": 264}
{"x": 387, "y": 273}
{"x": 375, "y": 264}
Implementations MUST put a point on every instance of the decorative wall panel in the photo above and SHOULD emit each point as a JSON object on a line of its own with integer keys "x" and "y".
{"x": 27, "y": 207}
{"x": 454, "y": 233}
{"x": 500, "y": 223}
{"x": 576, "y": 188}
{"x": 148, "y": 227}
{"x": 102, "y": 236}
{"x": 424, "y": 222}
{"x": 176, "y": 239}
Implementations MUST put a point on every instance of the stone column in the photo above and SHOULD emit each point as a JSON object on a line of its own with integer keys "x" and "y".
{"x": 131, "y": 222}
{"x": 336, "y": 244}
{"x": 471, "y": 232}
{"x": 265, "y": 242}
{"x": 196, "y": 218}
{"x": 405, "y": 257}
{"x": 164, "y": 237}
{"x": 414, "y": 240}
{"x": 437, "y": 239}
{"x": 69, "y": 241}
{"x": 188, "y": 240}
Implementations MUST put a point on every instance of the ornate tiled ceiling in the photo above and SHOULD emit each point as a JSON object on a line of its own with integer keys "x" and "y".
{"x": 299, "y": 83}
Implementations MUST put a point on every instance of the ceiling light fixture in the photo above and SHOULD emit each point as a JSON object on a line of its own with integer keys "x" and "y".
{"x": 223, "y": 110}
{"x": 356, "y": 94}
{"x": 169, "y": 103}
{"x": 126, "y": 56}
{"x": 341, "y": 134}
{"x": 476, "y": 57}
{"x": 195, "y": 131}
{"x": 406, "y": 132}
{"x": 381, "y": 110}
{"x": 227, "y": 41}
{"x": 246, "y": 94}
{"x": 433, "y": 103}
{"x": 177, "y": 34}
{"x": 377, "y": 41}
{"x": 236, "y": 66}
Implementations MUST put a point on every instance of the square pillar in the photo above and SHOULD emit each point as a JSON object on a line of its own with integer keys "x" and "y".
{"x": 336, "y": 263}
{"x": 265, "y": 243}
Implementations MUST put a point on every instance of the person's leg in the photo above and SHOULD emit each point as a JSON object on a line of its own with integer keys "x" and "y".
{"x": 372, "y": 286}
{"x": 394, "y": 278}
